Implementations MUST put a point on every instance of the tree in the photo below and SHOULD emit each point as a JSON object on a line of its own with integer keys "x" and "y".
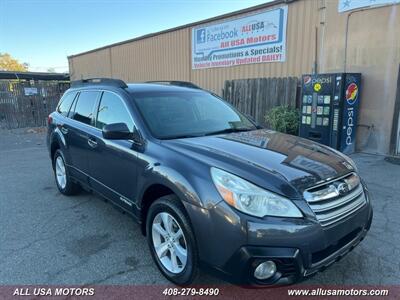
{"x": 51, "y": 70}
{"x": 8, "y": 63}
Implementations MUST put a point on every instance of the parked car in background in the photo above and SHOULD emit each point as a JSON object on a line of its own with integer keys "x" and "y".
{"x": 208, "y": 185}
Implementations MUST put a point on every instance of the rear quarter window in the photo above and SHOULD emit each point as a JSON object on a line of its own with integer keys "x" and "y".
{"x": 65, "y": 103}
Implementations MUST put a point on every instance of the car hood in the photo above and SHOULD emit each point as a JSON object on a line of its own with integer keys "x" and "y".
{"x": 300, "y": 162}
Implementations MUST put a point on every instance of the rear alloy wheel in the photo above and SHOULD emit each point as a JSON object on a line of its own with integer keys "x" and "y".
{"x": 171, "y": 240}
{"x": 61, "y": 176}
{"x": 64, "y": 183}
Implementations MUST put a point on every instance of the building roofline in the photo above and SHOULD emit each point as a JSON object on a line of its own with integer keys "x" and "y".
{"x": 34, "y": 75}
{"x": 227, "y": 15}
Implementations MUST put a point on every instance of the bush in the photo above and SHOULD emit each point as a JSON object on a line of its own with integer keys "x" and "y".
{"x": 284, "y": 119}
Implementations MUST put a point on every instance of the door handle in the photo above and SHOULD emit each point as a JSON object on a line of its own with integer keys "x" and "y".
{"x": 64, "y": 130}
{"x": 92, "y": 143}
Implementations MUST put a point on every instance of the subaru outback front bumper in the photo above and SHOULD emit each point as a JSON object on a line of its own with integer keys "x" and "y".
{"x": 299, "y": 248}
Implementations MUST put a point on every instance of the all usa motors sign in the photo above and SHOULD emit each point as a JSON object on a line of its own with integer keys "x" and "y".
{"x": 258, "y": 38}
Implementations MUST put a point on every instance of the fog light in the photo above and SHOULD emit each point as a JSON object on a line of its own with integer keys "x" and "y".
{"x": 265, "y": 270}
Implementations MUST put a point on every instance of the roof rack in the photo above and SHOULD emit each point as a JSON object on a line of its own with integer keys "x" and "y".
{"x": 176, "y": 83}
{"x": 99, "y": 81}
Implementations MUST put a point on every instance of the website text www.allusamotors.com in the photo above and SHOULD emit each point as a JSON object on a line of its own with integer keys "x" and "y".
{"x": 338, "y": 292}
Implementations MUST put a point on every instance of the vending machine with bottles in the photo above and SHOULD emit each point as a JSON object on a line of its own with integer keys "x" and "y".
{"x": 329, "y": 109}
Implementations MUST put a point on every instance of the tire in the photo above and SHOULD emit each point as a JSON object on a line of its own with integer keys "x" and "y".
{"x": 181, "y": 273}
{"x": 66, "y": 187}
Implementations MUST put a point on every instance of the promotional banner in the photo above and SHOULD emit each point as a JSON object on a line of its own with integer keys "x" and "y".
{"x": 258, "y": 38}
{"x": 345, "y": 5}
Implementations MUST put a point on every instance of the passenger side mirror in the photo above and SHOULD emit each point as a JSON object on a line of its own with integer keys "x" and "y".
{"x": 116, "y": 131}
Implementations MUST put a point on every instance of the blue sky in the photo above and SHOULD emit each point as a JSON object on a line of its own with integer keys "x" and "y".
{"x": 44, "y": 32}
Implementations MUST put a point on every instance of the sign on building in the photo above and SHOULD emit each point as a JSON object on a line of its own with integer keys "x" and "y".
{"x": 258, "y": 38}
{"x": 345, "y": 5}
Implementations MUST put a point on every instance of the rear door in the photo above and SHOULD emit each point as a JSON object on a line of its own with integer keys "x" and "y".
{"x": 113, "y": 163}
{"x": 77, "y": 132}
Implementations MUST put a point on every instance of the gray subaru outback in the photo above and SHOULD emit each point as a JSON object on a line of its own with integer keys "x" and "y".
{"x": 207, "y": 185}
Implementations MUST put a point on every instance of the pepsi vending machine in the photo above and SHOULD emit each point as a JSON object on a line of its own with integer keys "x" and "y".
{"x": 329, "y": 109}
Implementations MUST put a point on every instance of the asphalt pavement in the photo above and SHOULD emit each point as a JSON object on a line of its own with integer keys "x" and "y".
{"x": 48, "y": 238}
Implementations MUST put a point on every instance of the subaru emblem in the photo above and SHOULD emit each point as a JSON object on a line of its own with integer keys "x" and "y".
{"x": 343, "y": 188}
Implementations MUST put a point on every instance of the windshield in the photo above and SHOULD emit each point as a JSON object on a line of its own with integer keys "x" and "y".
{"x": 189, "y": 114}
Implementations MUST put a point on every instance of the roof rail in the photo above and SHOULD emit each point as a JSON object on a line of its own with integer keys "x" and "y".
{"x": 176, "y": 83}
{"x": 99, "y": 81}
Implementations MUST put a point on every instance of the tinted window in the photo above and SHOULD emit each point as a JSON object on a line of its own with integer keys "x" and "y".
{"x": 65, "y": 103}
{"x": 85, "y": 106}
{"x": 112, "y": 110}
{"x": 174, "y": 115}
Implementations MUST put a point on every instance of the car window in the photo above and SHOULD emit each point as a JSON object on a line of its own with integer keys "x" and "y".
{"x": 65, "y": 103}
{"x": 172, "y": 115}
{"x": 85, "y": 106}
{"x": 113, "y": 110}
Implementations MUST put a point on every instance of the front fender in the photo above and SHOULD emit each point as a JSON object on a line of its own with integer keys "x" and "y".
{"x": 195, "y": 196}
{"x": 171, "y": 179}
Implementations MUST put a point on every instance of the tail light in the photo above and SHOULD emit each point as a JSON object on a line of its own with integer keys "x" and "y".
{"x": 49, "y": 120}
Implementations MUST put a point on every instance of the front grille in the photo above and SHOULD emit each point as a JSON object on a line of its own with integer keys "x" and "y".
{"x": 336, "y": 199}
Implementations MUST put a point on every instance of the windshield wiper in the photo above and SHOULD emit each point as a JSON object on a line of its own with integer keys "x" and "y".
{"x": 228, "y": 130}
{"x": 183, "y": 136}
{"x": 186, "y": 136}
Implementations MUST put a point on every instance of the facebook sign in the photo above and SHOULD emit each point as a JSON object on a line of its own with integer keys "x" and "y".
{"x": 201, "y": 36}
{"x": 255, "y": 38}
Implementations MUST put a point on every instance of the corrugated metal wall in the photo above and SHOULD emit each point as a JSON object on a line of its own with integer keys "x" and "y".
{"x": 168, "y": 55}
{"x": 94, "y": 64}
{"x": 164, "y": 56}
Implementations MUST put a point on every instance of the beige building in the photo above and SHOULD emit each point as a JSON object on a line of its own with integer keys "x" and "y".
{"x": 318, "y": 37}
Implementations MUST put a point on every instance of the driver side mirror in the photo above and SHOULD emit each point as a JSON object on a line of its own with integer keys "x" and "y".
{"x": 117, "y": 131}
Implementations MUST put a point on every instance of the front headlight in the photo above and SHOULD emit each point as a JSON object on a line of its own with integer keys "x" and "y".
{"x": 251, "y": 199}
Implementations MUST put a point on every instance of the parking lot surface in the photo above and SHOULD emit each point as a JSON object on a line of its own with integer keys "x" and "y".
{"x": 47, "y": 238}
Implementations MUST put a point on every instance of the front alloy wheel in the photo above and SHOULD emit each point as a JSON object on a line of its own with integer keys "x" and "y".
{"x": 169, "y": 242}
